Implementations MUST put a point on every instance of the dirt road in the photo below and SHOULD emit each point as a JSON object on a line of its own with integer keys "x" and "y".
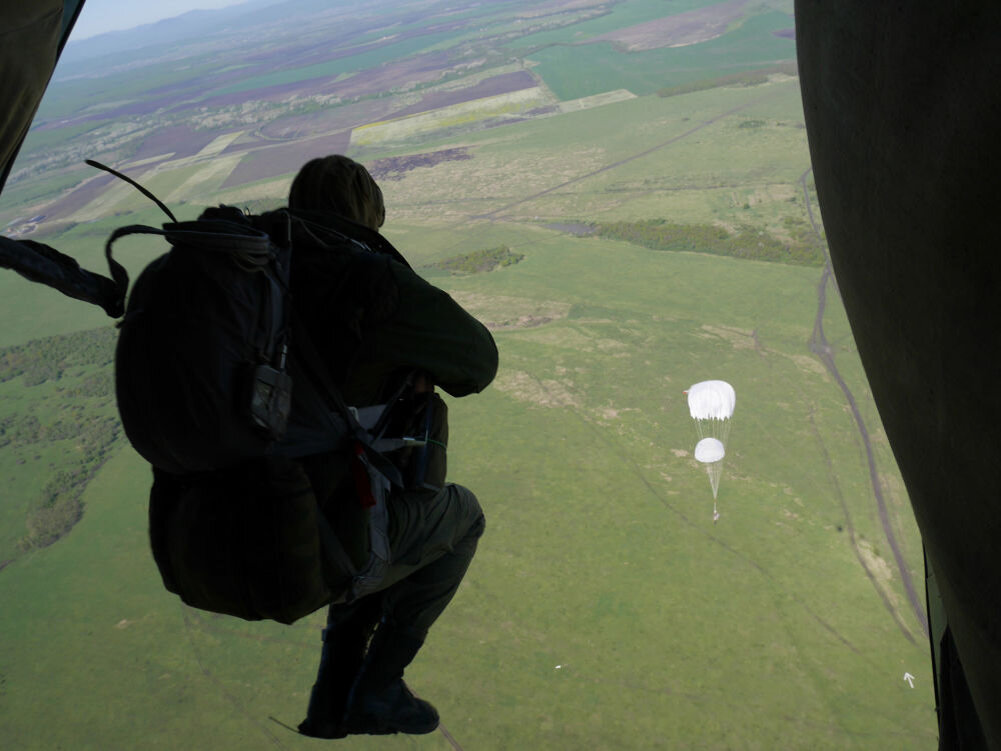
{"x": 613, "y": 165}
{"x": 820, "y": 347}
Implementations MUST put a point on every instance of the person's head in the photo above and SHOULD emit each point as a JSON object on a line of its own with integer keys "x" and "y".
{"x": 339, "y": 185}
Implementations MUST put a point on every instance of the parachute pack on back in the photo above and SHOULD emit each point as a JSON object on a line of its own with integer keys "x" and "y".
{"x": 206, "y": 396}
{"x": 200, "y": 365}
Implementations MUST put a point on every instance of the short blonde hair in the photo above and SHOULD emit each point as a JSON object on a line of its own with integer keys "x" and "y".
{"x": 340, "y": 185}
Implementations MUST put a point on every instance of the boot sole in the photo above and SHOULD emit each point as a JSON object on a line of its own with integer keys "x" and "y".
{"x": 375, "y": 728}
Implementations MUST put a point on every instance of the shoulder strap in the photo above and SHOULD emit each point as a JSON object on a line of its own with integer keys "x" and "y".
{"x": 320, "y": 395}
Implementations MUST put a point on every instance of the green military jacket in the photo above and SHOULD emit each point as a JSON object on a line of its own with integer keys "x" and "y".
{"x": 374, "y": 320}
{"x": 398, "y": 321}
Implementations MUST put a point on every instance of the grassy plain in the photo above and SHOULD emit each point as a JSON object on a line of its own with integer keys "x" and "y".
{"x": 604, "y": 609}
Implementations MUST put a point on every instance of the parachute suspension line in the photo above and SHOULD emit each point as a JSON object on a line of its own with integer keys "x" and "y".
{"x": 714, "y": 470}
{"x": 710, "y": 452}
{"x": 724, "y": 430}
{"x": 718, "y": 428}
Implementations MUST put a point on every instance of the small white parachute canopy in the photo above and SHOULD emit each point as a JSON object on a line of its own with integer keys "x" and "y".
{"x": 709, "y": 450}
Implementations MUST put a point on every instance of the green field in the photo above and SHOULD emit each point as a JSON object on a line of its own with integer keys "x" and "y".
{"x": 360, "y": 61}
{"x": 604, "y": 609}
{"x": 620, "y": 15}
{"x": 600, "y": 556}
{"x": 576, "y": 71}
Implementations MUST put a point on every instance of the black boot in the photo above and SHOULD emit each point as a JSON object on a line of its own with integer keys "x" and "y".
{"x": 342, "y": 656}
{"x": 380, "y": 702}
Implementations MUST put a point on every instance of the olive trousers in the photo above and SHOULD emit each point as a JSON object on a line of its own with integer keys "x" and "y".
{"x": 432, "y": 539}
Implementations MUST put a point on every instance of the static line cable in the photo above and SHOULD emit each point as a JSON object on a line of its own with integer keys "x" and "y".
{"x": 282, "y": 724}
{"x": 134, "y": 184}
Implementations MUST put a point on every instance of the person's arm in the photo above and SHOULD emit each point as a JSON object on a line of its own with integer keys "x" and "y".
{"x": 430, "y": 332}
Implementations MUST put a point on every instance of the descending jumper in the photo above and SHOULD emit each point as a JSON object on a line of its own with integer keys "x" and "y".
{"x": 711, "y": 405}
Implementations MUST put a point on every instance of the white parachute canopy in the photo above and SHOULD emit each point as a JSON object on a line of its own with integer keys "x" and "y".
{"x": 710, "y": 452}
{"x": 711, "y": 404}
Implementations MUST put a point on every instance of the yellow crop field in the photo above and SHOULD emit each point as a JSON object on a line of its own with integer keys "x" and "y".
{"x": 404, "y": 128}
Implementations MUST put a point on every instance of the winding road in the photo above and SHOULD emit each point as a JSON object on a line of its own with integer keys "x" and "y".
{"x": 820, "y": 347}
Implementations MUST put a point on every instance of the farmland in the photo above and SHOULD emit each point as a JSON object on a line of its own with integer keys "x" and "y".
{"x": 604, "y": 608}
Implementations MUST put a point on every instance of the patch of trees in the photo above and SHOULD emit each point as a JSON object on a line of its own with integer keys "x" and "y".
{"x": 59, "y": 505}
{"x": 100, "y": 384}
{"x": 47, "y": 359}
{"x": 746, "y": 78}
{"x": 80, "y": 414}
{"x": 54, "y": 512}
{"x": 394, "y": 167}
{"x": 804, "y": 248}
{"x": 19, "y": 430}
{"x": 480, "y": 261}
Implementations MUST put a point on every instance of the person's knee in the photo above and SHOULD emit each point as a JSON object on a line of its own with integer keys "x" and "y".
{"x": 479, "y": 525}
{"x": 471, "y": 510}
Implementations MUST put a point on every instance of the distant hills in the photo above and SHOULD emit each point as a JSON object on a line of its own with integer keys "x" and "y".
{"x": 193, "y": 25}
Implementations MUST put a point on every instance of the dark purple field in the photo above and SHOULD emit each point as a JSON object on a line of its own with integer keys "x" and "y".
{"x": 79, "y": 197}
{"x": 502, "y": 84}
{"x": 179, "y": 140}
{"x": 327, "y": 120}
{"x": 273, "y": 161}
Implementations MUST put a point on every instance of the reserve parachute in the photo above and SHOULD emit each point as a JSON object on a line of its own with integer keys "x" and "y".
{"x": 710, "y": 452}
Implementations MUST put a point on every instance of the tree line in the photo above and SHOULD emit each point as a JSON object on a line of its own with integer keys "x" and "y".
{"x": 479, "y": 261}
{"x": 744, "y": 78}
{"x": 802, "y": 248}
{"x": 42, "y": 360}
{"x": 81, "y": 411}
